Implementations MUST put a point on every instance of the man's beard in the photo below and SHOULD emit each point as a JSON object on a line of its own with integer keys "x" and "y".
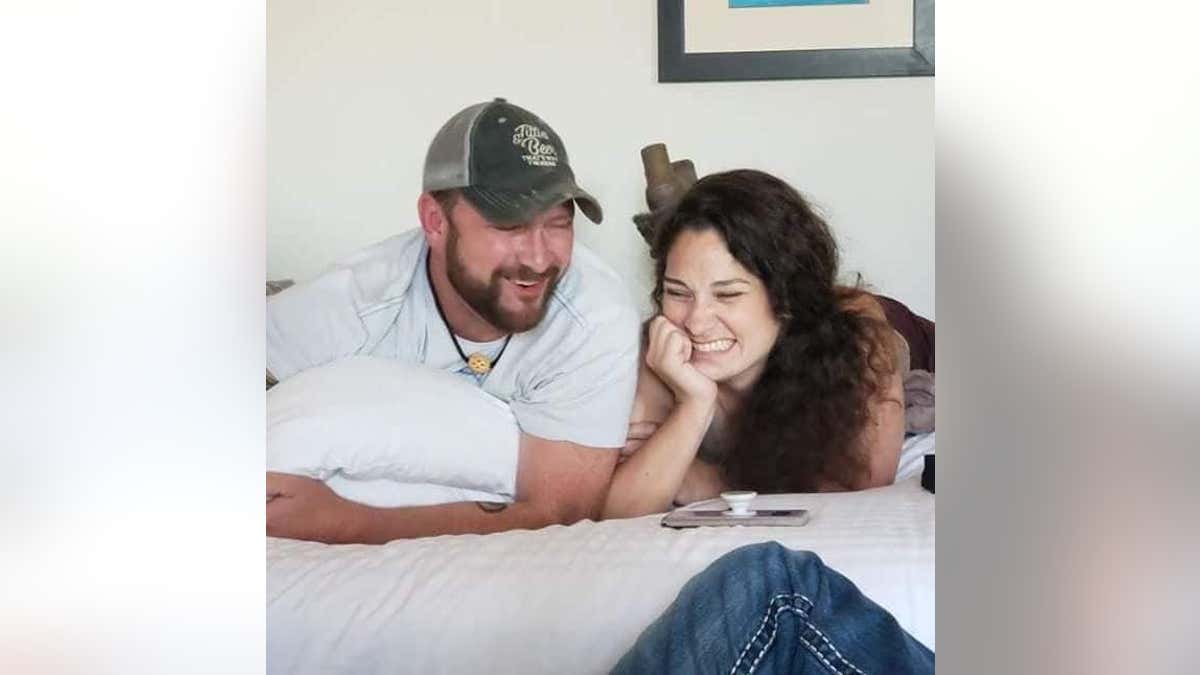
{"x": 484, "y": 296}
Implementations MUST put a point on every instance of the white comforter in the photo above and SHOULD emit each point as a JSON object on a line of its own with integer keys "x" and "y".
{"x": 562, "y": 599}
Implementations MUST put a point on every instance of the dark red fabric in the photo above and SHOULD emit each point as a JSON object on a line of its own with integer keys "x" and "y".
{"x": 916, "y": 329}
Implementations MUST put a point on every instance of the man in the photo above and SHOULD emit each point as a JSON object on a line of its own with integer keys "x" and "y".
{"x": 490, "y": 288}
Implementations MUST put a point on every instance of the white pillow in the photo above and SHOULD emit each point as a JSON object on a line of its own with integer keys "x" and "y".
{"x": 386, "y": 493}
{"x": 390, "y": 433}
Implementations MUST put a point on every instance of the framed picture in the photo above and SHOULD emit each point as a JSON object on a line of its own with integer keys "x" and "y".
{"x": 711, "y": 40}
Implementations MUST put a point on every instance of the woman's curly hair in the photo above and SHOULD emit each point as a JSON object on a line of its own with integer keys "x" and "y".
{"x": 803, "y": 420}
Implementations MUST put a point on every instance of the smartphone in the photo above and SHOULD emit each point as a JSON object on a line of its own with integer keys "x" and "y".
{"x": 680, "y": 518}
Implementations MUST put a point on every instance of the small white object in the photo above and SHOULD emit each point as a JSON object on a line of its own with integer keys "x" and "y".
{"x": 739, "y": 502}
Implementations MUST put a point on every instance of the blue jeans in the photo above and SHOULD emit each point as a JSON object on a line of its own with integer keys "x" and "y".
{"x": 766, "y": 609}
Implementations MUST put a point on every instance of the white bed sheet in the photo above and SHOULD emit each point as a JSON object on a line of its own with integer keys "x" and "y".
{"x": 562, "y": 599}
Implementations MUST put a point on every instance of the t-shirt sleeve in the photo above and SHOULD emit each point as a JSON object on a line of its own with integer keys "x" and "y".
{"x": 586, "y": 395}
{"x": 313, "y": 323}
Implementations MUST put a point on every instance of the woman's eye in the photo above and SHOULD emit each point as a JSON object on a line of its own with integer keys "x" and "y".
{"x": 676, "y": 294}
{"x": 729, "y": 296}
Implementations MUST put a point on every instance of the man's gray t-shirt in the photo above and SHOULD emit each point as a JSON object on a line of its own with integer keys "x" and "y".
{"x": 571, "y": 378}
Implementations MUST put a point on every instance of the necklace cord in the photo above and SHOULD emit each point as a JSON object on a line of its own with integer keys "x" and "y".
{"x": 454, "y": 338}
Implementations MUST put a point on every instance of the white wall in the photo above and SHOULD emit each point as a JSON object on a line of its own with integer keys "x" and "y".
{"x": 357, "y": 89}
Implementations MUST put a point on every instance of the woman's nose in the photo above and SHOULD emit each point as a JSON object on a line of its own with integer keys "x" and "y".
{"x": 699, "y": 317}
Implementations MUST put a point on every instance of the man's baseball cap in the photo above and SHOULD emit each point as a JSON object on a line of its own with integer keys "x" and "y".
{"x": 506, "y": 161}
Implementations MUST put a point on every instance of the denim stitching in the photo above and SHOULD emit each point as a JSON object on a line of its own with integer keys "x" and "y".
{"x": 770, "y": 640}
{"x": 772, "y": 617}
{"x": 761, "y": 627}
{"x": 816, "y": 651}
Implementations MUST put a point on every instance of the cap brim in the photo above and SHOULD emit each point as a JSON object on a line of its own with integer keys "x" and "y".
{"x": 504, "y": 206}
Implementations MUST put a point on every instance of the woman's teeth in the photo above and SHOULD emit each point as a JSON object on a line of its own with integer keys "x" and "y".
{"x": 714, "y": 346}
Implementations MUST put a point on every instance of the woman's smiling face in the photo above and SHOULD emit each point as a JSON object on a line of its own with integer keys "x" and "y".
{"x": 722, "y": 307}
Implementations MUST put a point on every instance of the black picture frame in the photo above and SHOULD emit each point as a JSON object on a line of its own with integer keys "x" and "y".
{"x": 676, "y": 65}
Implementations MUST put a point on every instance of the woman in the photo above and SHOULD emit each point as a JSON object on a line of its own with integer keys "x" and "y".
{"x": 760, "y": 372}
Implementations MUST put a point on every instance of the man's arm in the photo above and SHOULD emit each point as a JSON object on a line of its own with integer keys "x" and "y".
{"x": 557, "y": 482}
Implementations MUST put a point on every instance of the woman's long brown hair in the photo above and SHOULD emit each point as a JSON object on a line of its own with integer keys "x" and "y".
{"x": 802, "y": 423}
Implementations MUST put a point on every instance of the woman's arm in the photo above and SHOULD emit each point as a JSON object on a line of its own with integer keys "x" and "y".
{"x": 885, "y": 432}
{"x": 702, "y": 481}
{"x": 649, "y": 479}
{"x": 883, "y": 436}
{"x": 682, "y": 402}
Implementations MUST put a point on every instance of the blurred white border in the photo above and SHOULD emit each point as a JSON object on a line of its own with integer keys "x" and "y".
{"x": 1068, "y": 155}
{"x": 132, "y": 200}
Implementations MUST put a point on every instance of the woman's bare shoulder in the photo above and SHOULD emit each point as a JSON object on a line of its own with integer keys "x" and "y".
{"x": 890, "y": 340}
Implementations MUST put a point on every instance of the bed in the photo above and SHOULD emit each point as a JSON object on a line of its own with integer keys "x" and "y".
{"x": 563, "y": 599}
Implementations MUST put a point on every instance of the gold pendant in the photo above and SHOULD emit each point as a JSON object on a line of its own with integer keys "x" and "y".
{"x": 479, "y": 364}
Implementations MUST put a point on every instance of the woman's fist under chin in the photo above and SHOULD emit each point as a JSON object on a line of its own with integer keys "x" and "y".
{"x": 669, "y": 355}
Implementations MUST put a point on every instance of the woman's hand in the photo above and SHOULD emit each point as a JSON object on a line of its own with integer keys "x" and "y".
{"x": 669, "y": 354}
{"x": 639, "y": 433}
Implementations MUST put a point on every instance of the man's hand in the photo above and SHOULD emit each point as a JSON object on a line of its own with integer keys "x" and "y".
{"x": 304, "y": 508}
{"x": 639, "y": 433}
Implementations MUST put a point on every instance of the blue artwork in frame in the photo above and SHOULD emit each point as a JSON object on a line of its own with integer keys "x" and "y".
{"x": 675, "y": 64}
{"x": 734, "y": 4}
